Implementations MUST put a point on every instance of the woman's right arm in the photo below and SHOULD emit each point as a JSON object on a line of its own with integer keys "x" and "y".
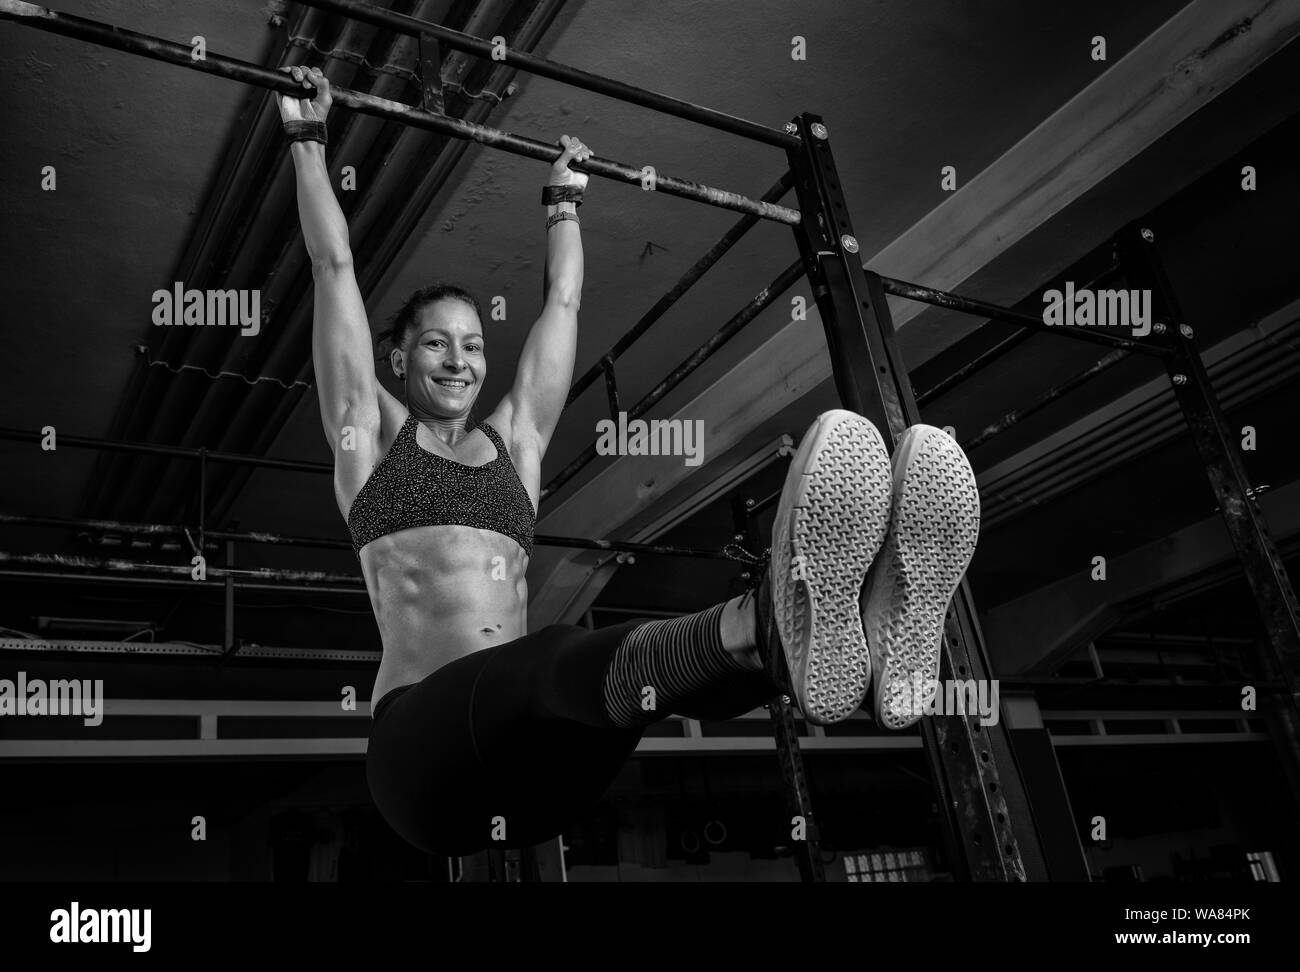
{"x": 342, "y": 352}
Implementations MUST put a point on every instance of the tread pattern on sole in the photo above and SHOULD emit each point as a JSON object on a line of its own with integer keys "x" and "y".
{"x": 833, "y": 517}
{"x": 934, "y": 532}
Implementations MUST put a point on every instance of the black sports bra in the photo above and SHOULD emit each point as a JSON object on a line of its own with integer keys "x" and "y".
{"x": 412, "y": 487}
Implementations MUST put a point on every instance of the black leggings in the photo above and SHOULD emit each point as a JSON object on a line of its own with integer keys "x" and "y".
{"x": 503, "y": 747}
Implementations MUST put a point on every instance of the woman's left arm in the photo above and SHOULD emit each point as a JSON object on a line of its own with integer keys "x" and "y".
{"x": 545, "y": 371}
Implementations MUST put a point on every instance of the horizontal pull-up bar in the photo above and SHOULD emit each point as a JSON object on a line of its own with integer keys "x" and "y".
{"x": 158, "y": 49}
{"x": 531, "y": 63}
{"x": 967, "y": 305}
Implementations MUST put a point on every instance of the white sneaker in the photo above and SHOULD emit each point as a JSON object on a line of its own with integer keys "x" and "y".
{"x": 831, "y": 522}
{"x": 933, "y": 532}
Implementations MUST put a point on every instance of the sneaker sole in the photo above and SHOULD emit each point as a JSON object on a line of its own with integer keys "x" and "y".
{"x": 833, "y": 516}
{"x": 935, "y": 528}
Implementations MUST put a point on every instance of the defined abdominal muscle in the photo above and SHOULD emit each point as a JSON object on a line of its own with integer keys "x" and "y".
{"x": 442, "y": 592}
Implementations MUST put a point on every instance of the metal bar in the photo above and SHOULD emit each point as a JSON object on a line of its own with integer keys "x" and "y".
{"x": 784, "y": 281}
{"x": 739, "y": 320}
{"x": 273, "y": 538}
{"x": 177, "y": 452}
{"x": 1141, "y": 715}
{"x": 1016, "y": 415}
{"x": 49, "y": 575}
{"x": 228, "y": 643}
{"x": 628, "y": 546}
{"x": 1207, "y": 642}
{"x": 785, "y": 731}
{"x": 1265, "y": 571}
{"x": 114, "y": 526}
{"x": 765, "y": 502}
{"x": 146, "y": 45}
{"x": 169, "y": 530}
{"x": 203, "y": 493}
{"x": 980, "y": 361}
{"x": 976, "y": 778}
{"x": 83, "y": 646}
{"x": 1145, "y": 684}
{"x": 116, "y": 565}
{"x": 685, "y": 283}
{"x": 941, "y": 298}
{"x": 611, "y": 387}
{"x": 542, "y": 67}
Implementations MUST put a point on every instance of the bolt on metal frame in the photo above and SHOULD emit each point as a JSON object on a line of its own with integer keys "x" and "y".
{"x": 986, "y": 813}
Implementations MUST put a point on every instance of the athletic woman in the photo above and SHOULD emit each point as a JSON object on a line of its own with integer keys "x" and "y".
{"x": 483, "y": 735}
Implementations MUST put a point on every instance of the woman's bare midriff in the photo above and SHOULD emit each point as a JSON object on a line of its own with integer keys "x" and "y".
{"x": 440, "y": 593}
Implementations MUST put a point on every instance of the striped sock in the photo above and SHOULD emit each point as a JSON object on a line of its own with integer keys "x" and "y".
{"x": 661, "y": 663}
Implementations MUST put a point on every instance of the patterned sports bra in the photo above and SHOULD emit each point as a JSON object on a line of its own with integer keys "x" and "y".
{"x": 412, "y": 487}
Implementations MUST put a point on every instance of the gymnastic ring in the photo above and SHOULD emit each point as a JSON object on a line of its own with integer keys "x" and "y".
{"x": 694, "y": 836}
{"x": 719, "y": 823}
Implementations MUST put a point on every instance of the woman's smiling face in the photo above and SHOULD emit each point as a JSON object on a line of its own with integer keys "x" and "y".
{"x": 444, "y": 361}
